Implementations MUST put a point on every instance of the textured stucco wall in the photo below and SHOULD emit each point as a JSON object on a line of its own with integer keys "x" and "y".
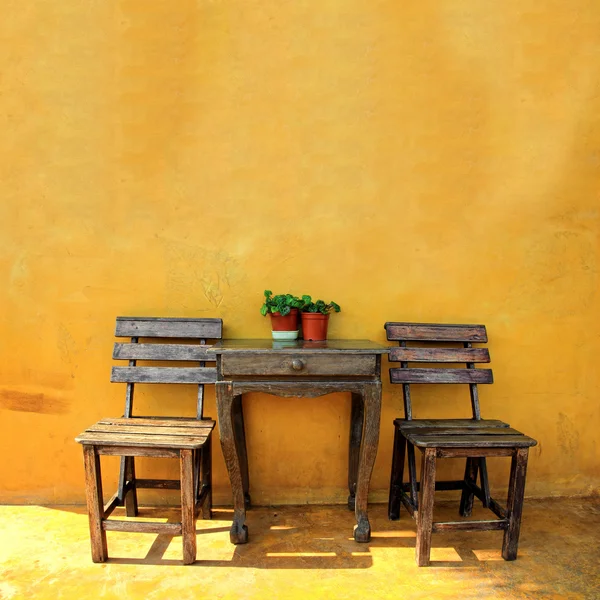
{"x": 429, "y": 161}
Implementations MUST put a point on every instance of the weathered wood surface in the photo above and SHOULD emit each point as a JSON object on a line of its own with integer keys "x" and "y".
{"x": 225, "y": 399}
{"x": 142, "y": 527}
{"x": 355, "y": 437}
{"x": 371, "y": 395}
{"x": 196, "y": 375}
{"x": 439, "y": 355}
{"x": 469, "y": 480}
{"x": 397, "y": 476}
{"x": 149, "y": 327}
{"x": 187, "y": 422}
{"x": 335, "y": 366}
{"x": 298, "y": 386}
{"x": 270, "y": 347}
{"x": 298, "y": 365}
{"x": 239, "y": 431}
{"x": 160, "y": 484}
{"x": 473, "y": 439}
{"x": 483, "y": 430}
{"x": 425, "y": 514}
{"x": 481, "y": 525}
{"x": 183, "y": 352}
{"x": 137, "y": 451}
{"x": 135, "y": 440}
{"x": 514, "y": 507}
{"x": 470, "y": 441}
{"x": 93, "y": 495}
{"x": 188, "y": 507}
{"x": 475, "y": 452}
{"x": 434, "y": 332}
{"x": 430, "y": 375}
{"x": 149, "y": 430}
{"x": 448, "y": 423}
{"x": 205, "y": 496}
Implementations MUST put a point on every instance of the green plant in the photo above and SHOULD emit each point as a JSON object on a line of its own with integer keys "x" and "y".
{"x": 282, "y": 303}
{"x": 318, "y": 306}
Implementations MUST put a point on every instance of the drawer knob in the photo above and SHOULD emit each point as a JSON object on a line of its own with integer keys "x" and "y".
{"x": 297, "y": 364}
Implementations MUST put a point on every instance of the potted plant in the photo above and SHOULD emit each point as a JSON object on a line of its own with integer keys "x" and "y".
{"x": 283, "y": 310}
{"x": 315, "y": 318}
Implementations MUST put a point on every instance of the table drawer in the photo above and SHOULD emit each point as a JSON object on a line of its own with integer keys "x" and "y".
{"x": 298, "y": 365}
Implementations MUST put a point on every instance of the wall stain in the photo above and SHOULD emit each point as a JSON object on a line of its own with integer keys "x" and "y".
{"x": 35, "y": 402}
{"x": 567, "y": 434}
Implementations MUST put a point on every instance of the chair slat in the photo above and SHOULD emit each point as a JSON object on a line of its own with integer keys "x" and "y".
{"x": 462, "y": 431}
{"x": 458, "y": 423}
{"x": 441, "y": 376}
{"x": 433, "y": 332}
{"x": 147, "y": 429}
{"x": 158, "y": 421}
{"x": 470, "y": 441}
{"x": 440, "y": 355}
{"x": 162, "y": 352}
{"x": 169, "y": 328}
{"x": 140, "y": 441}
{"x": 164, "y": 375}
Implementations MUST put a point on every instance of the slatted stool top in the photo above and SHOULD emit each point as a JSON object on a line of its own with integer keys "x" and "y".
{"x": 148, "y": 433}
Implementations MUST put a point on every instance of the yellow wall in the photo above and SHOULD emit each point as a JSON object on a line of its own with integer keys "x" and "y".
{"x": 430, "y": 161}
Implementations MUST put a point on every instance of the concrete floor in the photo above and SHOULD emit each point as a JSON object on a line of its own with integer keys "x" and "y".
{"x": 302, "y": 552}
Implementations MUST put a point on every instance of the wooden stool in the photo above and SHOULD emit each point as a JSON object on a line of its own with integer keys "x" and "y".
{"x": 474, "y": 439}
{"x": 188, "y": 439}
{"x": 146, "y": 437}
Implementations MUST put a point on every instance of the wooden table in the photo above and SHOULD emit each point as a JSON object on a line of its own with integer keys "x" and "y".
{"x": 303, "y": 369}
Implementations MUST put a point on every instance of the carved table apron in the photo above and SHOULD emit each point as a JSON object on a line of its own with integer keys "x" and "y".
{"x": 304, "y": 369}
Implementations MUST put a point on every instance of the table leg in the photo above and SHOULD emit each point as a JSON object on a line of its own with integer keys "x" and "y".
{"x": 368, "y": 451}
{"x": 225, "y": 399}
{"x": 239, "y": 432}
{"x": 356, "y": 430}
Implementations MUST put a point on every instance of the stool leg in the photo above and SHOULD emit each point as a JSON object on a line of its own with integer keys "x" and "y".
{"x": 95, "y": 503}
{"x": 188, "y": 506}
{"x": 514, "y": 508}
{"x": 467, "y": 496}
{"x": 397, "y": 477}
{"x": 425, "y": 515}
{"x": 206, "y": 458}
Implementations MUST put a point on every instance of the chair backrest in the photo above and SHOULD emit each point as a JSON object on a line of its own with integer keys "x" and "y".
{"x": 169, "y": 331}
{"x": 428, "y": 336}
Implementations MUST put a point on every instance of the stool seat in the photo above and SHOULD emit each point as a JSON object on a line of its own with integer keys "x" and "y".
{"x": 148, "y": 433}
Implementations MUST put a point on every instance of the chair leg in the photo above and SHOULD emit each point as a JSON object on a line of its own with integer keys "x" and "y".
{"x": 514, "y": 508}
{"x": 131, "y": 501}
{"x": 467, "y": 496}
{"x": 425, "y": 515}
{"x": 206, "y": 472}
{"x": 95, "y": 503}
{"x": 485, "y": 483}
{"x": 412, "y": 477}
{"x": 397, "y": 477}
{"x": 188, "y": 507}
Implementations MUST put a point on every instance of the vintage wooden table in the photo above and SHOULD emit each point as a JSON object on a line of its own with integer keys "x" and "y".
{"x": 300, "y": 369}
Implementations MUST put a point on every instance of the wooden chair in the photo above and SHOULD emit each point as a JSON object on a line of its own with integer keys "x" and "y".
{"x": 188, "y": 439}
{"x": 473, "y": 439}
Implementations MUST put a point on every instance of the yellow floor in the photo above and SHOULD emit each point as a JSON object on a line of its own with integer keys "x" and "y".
{"x": 302, "y": 552}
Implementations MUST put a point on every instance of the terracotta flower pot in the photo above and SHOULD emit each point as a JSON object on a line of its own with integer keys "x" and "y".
{"x": 287, "y": 322}
{"x": 314, "y": 326}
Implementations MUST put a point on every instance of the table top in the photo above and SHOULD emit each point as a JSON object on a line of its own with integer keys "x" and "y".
{"x": 263, "y": 346}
